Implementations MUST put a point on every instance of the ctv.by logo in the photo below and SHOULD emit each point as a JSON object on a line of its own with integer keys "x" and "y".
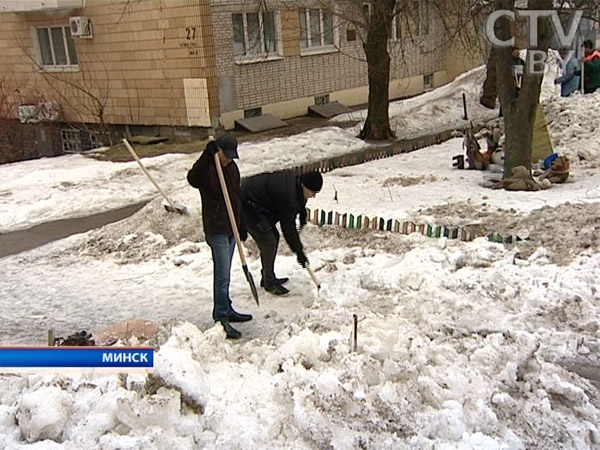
{"x": 536, "y": 64}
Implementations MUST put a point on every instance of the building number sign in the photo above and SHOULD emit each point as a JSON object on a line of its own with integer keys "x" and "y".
{"x": 190, "y": 35}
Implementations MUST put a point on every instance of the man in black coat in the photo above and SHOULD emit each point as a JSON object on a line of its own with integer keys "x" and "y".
{"x": 277, "y": 197}
{"x": 217, "y": 226}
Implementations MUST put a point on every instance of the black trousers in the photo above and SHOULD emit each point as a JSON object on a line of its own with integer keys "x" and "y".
{"x": 266, "y": 236}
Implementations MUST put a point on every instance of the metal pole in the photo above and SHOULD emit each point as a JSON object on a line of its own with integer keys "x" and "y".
{"x": 355, "y": 332}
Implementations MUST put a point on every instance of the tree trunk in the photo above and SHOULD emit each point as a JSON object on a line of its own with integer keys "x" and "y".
{"x": 518, "y": 126}
{"x": 490, "y": 85}
{"x": 519, "y": 106}
{"x": 377, "y": 125}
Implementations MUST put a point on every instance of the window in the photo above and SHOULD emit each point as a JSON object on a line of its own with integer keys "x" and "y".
{"x": 415, "y": 22}
{"x": 420, "y": 16}
{"x": 424, "y": 17}
{"x": 252, "y": 112}
{"x": 416, "y": 16}
{"x": 57, "y": 47}
{"x": 316, "y": 29}
{"x": 71, "y": 140}
{"x": 322, "y": 99}
{"x": 396, "y": 31}
{"x": 254, "y": 35}
{"x": 428, "y": 82}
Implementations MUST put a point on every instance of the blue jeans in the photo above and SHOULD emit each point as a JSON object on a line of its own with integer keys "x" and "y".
{"x": 222, "y": 247}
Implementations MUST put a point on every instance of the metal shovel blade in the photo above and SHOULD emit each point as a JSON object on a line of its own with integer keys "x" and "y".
{"x": 251, "y": 283}
{"x": 176, "y": 208}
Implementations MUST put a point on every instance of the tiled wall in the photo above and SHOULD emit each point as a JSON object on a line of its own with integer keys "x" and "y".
{"x": 162, "y": 62}
{"x": 136, "y": 62}
{"x": 296, "y": 76}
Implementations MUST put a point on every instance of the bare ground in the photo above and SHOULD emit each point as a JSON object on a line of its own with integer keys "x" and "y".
{"x": 564, "y": 231}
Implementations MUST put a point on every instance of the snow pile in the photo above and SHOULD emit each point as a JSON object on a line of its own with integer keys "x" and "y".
{"x": 471, "y": 357}
{"x": 460, "y": 345}
{"x": 574, "y": 130}
{"x": 440, "y": 109}
{"x": 49, "y": 189}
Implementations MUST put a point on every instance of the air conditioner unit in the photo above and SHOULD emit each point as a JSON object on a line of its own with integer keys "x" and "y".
{"x": 81, "y": 26}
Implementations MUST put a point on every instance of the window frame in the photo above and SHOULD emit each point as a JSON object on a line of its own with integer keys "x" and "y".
{"x": 428, "y": 86}
{"x": 264, "y": 55}
{"x": 396, "y": 29}
{"x": 321, "y": 48}
{"x": 422, "y": 28}
{"x": 424, "y": 18}
{"x": 65, "y": 28}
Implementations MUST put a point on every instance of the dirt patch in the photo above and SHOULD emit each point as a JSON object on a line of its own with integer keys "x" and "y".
{"x": 337, "y": 237}
{"x": 408, "y": 181}
{"x": 564, "y": 231}
{"x": 118, "y": 152}
{"x": 143, "y": 236}
{"x": 143, "y": 330}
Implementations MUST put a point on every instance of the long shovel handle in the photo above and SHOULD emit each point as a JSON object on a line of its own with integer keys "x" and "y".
{"x": 234, "y": 227}
{"x": 135, "y": 156}
{"x": 236, "y": 233}
{"x": 582, "y": 77}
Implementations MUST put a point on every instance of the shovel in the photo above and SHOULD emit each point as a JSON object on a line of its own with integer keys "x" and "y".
{"x": 170, "y": 207}
{"x": 236, "y": 234}
{"x": 582, "y": 77}
{"x": 314, "y": 278}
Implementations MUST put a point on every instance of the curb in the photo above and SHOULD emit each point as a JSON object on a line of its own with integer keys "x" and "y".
{"x": 363, "y": 222}
{"x": 372, "y": 154}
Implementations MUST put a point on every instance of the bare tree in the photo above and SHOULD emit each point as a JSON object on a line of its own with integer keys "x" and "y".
{"x": 85, "y": 93}
{"x": 519, "y": 106}
{"x": 374, "y": 22}
{"x": 15, "y": 93}
{"x": 378, "y": 28}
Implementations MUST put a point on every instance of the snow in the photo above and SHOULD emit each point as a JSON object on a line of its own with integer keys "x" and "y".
{"x": 461, "y": 345}
{"x": 440, "y": 109}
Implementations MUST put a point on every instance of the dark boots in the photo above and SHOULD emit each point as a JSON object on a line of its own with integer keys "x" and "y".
{"x": 231, "y": 332}
{"x": 277, "y": 281}
{"x": 235, "y": 316}
{"x": 276, "y": 288}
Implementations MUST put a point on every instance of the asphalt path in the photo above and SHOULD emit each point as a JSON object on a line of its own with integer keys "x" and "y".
{"x": 22, "y": 240}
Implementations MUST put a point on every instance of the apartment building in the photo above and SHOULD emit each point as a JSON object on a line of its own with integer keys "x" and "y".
{"x": 182, "y": 67}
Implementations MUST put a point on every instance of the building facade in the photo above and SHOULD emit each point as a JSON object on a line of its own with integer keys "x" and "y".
{"x": 182, "y": 67}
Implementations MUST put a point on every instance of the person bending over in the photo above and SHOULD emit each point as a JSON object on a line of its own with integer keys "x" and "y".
{"x": 268, "y": 199}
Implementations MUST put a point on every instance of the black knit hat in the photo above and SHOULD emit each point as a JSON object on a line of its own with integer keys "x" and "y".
{"x": 312, "y": 180}
{"x": 228, "y": 143}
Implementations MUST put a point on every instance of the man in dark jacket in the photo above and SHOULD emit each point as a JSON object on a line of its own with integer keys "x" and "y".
{"x": 217, "y": 226}
{"x": 277, "y": 197}
{"x": 591, "y": 68}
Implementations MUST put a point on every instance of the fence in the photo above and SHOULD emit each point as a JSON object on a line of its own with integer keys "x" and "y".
{"x": 364, "y": 222}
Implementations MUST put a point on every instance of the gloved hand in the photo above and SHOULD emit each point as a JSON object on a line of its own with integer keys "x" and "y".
{"x": 556, "y": 81}
{"x": 212, "y": 147}
{"x": 302, "y": 259}
{"x": 243, "y": 234}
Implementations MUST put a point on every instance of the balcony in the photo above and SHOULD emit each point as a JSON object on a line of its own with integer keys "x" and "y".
{"x": 21, "y": 6}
